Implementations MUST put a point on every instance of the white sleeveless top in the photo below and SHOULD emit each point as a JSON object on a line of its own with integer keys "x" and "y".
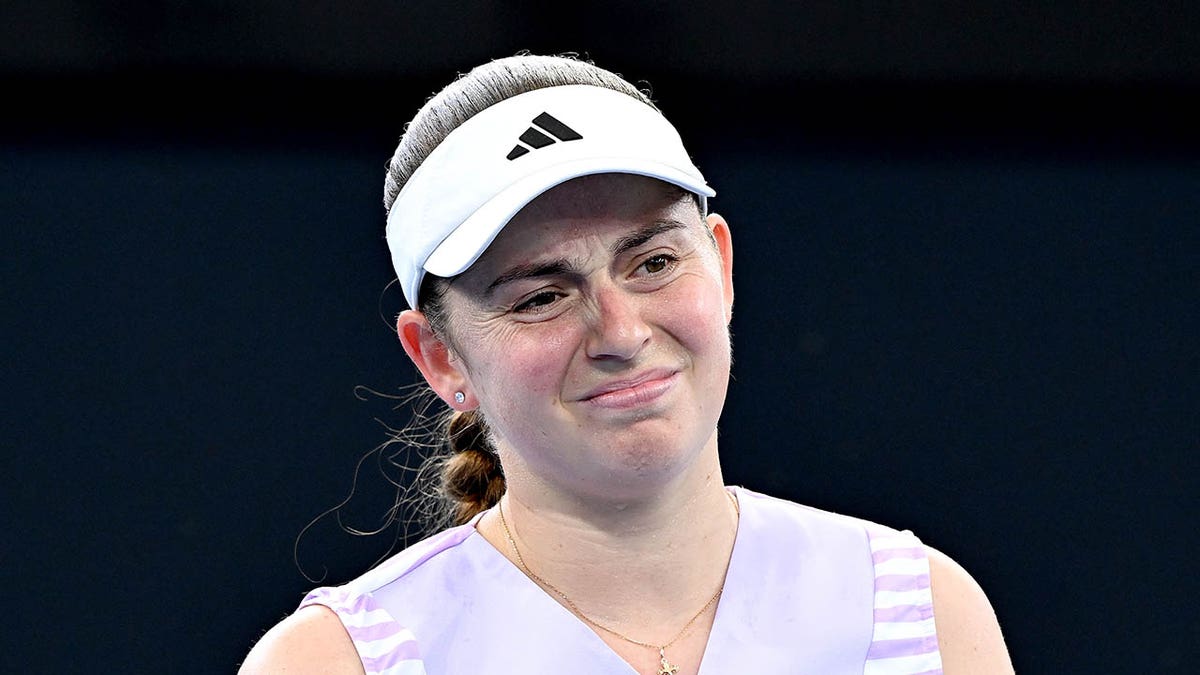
{"x": 807, "y": 592}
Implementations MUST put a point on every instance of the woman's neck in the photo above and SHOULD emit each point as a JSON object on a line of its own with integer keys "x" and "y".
{"x": 643, "y": 565}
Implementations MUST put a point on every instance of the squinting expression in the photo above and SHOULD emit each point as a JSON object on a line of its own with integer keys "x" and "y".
{"x": 594, "y": 334}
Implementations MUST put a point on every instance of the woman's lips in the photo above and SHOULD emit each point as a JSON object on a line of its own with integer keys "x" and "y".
{"x": 632, "y": 392}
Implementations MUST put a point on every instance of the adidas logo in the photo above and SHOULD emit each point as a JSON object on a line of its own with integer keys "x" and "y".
{"x": 534, "y": 138}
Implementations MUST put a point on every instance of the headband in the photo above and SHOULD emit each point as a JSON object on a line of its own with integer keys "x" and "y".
{"x": 495, "y": 163}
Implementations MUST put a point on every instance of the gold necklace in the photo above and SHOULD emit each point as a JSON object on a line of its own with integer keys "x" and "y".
{"x": 665, "y": 666}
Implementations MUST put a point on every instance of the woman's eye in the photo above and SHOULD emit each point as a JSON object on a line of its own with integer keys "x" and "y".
{"x": 536, "y": 302}
{"x": 658, "y": 263}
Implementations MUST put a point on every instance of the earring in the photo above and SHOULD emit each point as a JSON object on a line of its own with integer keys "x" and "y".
{"x": 460, "y": 397}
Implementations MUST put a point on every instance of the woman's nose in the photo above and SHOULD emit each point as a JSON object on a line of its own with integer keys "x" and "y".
{"x": 619, "y": 331}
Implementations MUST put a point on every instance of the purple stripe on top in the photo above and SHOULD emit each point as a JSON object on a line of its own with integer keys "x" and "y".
{"x": 359, "y": 604}
{"x": 901, "y": 582}
{"x": 379, "y": 631}
{"x": 403, "y": 646}
{"x": 906, "y": 552}
{"x": 886, "y": 649}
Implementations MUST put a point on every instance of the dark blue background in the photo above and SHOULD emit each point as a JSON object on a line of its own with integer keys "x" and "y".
{"x": 966, "y": 305}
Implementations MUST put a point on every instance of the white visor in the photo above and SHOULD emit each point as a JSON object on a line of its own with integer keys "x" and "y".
{"x": 495, "y": 163}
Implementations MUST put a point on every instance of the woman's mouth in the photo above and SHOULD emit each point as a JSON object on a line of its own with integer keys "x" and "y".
{"x": 632, "y": 392}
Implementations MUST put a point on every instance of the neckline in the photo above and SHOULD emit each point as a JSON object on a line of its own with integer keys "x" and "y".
{"x": 514, "y": 578}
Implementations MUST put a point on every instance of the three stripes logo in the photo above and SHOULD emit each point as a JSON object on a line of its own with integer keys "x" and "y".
{"x": 534, "y": 138}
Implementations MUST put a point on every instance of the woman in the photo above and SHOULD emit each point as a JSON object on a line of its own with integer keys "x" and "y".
{"x": 571, "y": 300}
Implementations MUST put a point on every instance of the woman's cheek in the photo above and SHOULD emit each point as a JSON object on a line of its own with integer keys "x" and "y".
{"x": 536, "y": 360}
{"x": 700, "y": 309}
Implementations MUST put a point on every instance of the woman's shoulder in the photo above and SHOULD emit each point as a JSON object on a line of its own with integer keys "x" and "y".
{"x": 968, "y": 632}
{"x": 335, "y": 624}
{"x": 782, "y": 516}
{"x": 312, "y": 640}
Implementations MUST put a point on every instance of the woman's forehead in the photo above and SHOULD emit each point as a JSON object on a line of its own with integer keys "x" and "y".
{"x": 586, "y": 212}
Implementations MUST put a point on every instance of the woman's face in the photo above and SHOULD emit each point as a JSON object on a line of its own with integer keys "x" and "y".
{"x": 593, "y": 334}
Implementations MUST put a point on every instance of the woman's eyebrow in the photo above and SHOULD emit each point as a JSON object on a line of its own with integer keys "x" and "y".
{"x": 636, "y": 239}
{"x": 529, "y": 270}
{"x": 561, "y": 267}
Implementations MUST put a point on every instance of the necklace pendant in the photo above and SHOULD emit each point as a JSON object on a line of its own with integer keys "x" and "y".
{"x": 665, "y": 668}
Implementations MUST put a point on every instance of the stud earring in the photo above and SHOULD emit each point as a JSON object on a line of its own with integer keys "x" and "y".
{"x": 460, "y": 397}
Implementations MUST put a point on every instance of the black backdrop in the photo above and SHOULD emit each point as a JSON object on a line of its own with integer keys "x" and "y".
{"x": 965, "y": 257}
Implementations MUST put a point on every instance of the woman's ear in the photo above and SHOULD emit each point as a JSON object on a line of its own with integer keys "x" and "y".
{"x": 720, "y": 232}
{"x": 433, "y": 357}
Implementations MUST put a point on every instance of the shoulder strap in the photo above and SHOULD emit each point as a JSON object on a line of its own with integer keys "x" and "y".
{"x": 384, "y": 646}
{"x": 904, "y": 641}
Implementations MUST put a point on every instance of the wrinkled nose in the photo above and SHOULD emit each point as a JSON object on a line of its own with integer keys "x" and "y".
{"x": 618, "y": 329}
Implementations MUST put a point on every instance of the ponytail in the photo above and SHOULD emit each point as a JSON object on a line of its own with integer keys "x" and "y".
{"x": 472, "y": 480}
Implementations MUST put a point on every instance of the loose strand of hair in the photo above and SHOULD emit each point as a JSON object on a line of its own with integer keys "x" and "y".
{"x": 411, "y": 468}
